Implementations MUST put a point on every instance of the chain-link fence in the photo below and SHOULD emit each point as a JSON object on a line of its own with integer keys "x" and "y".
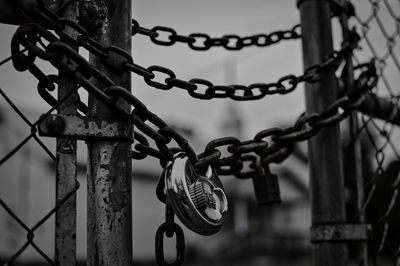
{"x": 21, "y": 224}
{"x": 379, "y": 24}
{"x": 371, "y": 172}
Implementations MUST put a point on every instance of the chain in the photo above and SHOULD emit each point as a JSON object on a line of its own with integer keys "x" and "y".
{"x": 271, "y": 145}
{"x": 206, "y": 90}
{"x": 280, "y": 144}
{"x": 203, "y": 42}
{"x": 255, "y": 91}
{"x": 121, "y": 61}
{"x": 241, "y": 151}
{"x": 170, "y": 228}
{"x": 84, "y": 74}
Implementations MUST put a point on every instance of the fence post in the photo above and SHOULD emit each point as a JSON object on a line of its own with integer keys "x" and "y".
{"x": 66, "y": 167}
{"x": 326, "y": 171}
{"x": 354, "y": 172}
{"x": 110, "y": 164}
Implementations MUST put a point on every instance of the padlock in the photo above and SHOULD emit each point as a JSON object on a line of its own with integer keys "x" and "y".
{"x": 199, "y": 201}
{"x": 266, "y": 188}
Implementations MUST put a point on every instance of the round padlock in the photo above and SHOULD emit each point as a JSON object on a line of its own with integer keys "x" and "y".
{"x": 198, "y": 201}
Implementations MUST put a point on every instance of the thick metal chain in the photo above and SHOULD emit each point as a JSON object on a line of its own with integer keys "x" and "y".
{"x": 31, "y": 37}
{"x": 121, "y": 61}
{"x": 43, "y": 44}
{"x": 255, "y": 91}
{"x": 203, "y": 42}
{"x": 281, "y": 140}
{"x": 280, "y": 143}
{"x": 167, "y": 36}
{"x": 169, "y": 228}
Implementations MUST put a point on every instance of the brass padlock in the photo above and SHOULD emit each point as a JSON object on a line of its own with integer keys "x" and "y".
{"x": 199, "y": 201}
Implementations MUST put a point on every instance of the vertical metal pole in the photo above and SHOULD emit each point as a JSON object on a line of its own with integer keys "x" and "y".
{"x": 66, "y": 168}
{"x": 354, "y": 161}
{"x": 110, "y": 163}
{"x": 326, "y": 171}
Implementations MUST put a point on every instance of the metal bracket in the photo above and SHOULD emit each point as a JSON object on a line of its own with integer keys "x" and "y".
{"x": 84, "y": 128}
{"x": 339, "y": 233}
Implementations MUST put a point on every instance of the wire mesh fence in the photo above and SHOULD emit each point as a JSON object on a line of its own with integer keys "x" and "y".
{"x": 379, "y": 24}
{"x": 14, "y": 212}
{"x": 22, "y": 218}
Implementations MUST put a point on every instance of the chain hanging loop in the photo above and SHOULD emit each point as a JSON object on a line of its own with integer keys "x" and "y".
{"x": 203, "y": 42}
{"x": 169, "y": 229}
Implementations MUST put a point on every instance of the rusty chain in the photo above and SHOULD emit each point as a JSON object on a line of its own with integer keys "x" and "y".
{"x": 169, "y": 229}
{"x": 203, "y": 42}
{"x": 121, "y": 61}
{"x": 29, "y": 37}
{"x": 167, "y": 36}
{"x": 144, "y": 120}
{"x": 271, "y": 145}
{"x": 282, "y": 140}
{"x": 206, "y": 90}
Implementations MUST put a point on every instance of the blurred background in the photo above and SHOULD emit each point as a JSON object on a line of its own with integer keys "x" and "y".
{"x": 253, "y": 235}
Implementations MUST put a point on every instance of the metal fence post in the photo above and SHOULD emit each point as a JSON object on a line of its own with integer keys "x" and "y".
{"x": 110, "y": 163}
{"x": 66, "y": 168}
{"x": 326, "y": 171}
{"x": 354, "y": 172}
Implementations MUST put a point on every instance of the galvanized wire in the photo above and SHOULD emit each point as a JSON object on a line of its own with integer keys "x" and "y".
{"x": 379, "y": 21}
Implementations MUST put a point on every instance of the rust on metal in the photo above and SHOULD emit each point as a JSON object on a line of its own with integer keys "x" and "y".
{"x": 66, "y": 165}
{"x": 339, "y": 232}
{"x": 109, "y": 239}
{"x": 84, "y": 128}
{"x": 10, "y": 15}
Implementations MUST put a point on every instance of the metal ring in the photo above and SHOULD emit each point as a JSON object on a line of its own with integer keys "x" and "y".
{"x": 156, "y": 84}
{"x": 157, "y": 29}
{"x": 180, "y": 245}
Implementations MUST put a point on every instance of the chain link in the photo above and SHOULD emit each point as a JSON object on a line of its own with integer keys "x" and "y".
{"x": 169, "y": 228}
{"x": 275, "y": 150}
{"x": 121, "y": 61}
{"x": 280, "y": 144}
{"x": 203, "y": 42}
{"x": 268, "y": 146}
{"x": 255, "y": 91}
